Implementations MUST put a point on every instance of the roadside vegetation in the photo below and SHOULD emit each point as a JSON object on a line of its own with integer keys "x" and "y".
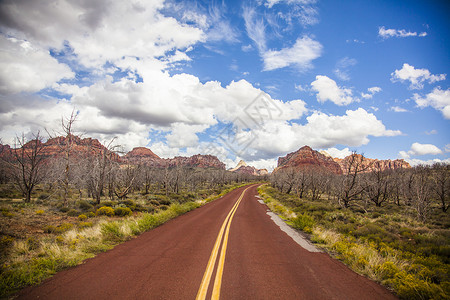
{"x": 45, "y": 237}
{"x": 403, "y": 243}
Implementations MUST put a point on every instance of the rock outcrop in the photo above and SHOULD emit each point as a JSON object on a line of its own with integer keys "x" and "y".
{"x": 243, "y": 168}
{"x": 142, "y": 155}
{"x": 369, "y": 164}
{"x": 306, "y": 157}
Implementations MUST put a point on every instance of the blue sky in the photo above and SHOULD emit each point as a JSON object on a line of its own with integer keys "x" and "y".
{"x": 250, "y": 80}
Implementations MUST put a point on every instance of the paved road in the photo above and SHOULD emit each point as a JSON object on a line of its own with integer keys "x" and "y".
{"x": 228, "y": 248}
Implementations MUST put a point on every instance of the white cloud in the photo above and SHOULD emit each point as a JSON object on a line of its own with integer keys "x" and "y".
{"x": 301, "y": 54}
{"x": 255, "y": 28}
{"x": 371, "y": 91}
{"x": 418, "y": 149}
{"x": 416, "y": 77}
{"x": 25, "y": 67}
{"x": 336, "y": 153}
{"x": 388, "y": 33}
{"x": 342, "y": 70}
{"x": 438, "y": 99}
{"x": 327, "y": 89}
{"x": 398, "y": 109}
{"x": 416, "y": 162}
{"x": 320, "y": 131}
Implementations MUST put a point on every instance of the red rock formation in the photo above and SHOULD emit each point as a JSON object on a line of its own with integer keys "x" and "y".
{"x": 305, "y": 158}
{"x": 142, "y": 155}
{"x": 243, "y": 168}
{"x": 370, "y": 164}
{"x": 197, "y": 161}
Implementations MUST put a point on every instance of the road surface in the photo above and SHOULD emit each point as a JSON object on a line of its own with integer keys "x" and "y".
{"x": 229, "y": 248}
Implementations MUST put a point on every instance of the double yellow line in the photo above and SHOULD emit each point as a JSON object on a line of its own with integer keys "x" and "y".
{"x": 203, "y": 290}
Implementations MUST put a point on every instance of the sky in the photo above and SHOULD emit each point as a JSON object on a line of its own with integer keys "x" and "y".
{"x": 251, "y": 80}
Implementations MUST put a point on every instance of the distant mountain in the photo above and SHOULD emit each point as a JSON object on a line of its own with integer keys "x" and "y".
{"x": 142, "y": 155}
{"x": 306, "y": 157}
{"x": 243, "y": 168}
{"x": 374, "y": 164}
{"x": 88, "y": 147}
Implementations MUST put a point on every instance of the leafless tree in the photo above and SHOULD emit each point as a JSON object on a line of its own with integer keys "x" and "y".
{"x": 125, "y": 177}
{"x": 377, "y": 185}
{"x": 421, "y": 187}
{"x": 27, "y": 167}
{"x": 441, "y": 184}
{"x": 350, "y": 187}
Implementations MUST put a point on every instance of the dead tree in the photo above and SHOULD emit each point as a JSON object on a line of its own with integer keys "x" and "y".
{"x": 351, "y": 188}
{"x": 441, "y": 184}
{"x": 27, "y": 167}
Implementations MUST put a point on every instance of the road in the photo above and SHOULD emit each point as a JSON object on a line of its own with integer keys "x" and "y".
{"x": 229, "y": 248}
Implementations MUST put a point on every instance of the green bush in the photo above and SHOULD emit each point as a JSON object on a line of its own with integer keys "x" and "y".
{"x": 122, "y": 211}
{"x": 63, "y": 228}
{"x": 105, "y": 211}
{"x": 85, "y": 205}
{"x": 82, "y": 217}
{"x": 90, "y": 214}
{"x": 73, "y": 212}
{"x": 303, "y": 222}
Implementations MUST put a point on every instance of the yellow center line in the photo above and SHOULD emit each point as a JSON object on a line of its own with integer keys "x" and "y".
{"x": 203, "y": 290}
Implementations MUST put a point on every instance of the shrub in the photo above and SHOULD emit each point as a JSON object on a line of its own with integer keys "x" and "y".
{"x": 64, "y": 209}
{"x": 85, "y": 205}
{"x": 163, "y": 207}
{"x": 82, "y": 217}
{"x": 154, "y": 202}
{"x": 63, "y": 228}
{"x": 90, "y": 214}
{"x": 85, "y": 225}
{"x": 73, "y": 212}
{"x": 109, "y": 203}
{"x": 122, "y": 211}
{"x": 105, "y": 211}
{"x": 40, "y": 212}
{"x": 130, "y": 203}
{"x": 303, "y": 222}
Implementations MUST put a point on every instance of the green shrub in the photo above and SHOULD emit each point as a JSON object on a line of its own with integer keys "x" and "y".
{"x": 90, "y": 214}
{"x": 85, "y": 225}
{"x": 109, "y": 203}
{"x": 39, "y": 212}
{"x": 163, "y": 207}
{"x": 122, "y": 211}
{"x": 105, "y": 211}
{"x": 85, "y": 205}
{"x": 82, "y": 217}
{"x": 64, "y": 209}
{"x": 303, "y": 222}
{"x": 63, "y": 228}
{"x": 73, "y": 212}
{"x": 154, "y": 202}
{"x": 130, "y": 204}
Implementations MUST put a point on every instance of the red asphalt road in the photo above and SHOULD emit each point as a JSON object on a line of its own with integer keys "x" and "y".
{"x": 169, "y": 262}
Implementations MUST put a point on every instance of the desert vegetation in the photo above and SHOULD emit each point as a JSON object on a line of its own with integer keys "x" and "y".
{"x": 391, "y": 226}
{"x": 57, "y": 210}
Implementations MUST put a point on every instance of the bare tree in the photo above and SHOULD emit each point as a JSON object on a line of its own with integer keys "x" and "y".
{"x": 27, "y": 167}
{"x": 350, "y": 187}
{"x": 421, "y": 187}
{"x": 125, "y": 177}
{"x": 441, "y": 184}
{"x": 377, "y": 185}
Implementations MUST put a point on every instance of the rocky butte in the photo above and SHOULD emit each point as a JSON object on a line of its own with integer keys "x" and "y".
{"x": 243, "y": 168}
{"x": 306, "y": 157}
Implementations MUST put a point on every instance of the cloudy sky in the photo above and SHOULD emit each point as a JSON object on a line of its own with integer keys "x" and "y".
{"x": 250, "y": 80}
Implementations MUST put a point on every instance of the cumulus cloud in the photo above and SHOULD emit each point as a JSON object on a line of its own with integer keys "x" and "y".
{"x": 389, "y": 33}
{"x": 418, "y": 149}
{"x": 334, "y": 152}
{"x": 25, "y": 67}
{"x": 327, "y": 89}
{"x": 320, "y": 131}
{"x": 370, "y": 92}
{"x": 301, "y": 54}
{"x": 416, "y": 77}
{"x": 438, "y": 99}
